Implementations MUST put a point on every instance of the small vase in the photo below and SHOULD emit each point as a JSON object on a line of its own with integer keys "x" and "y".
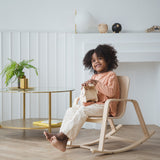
{"x": 23, "y": 83}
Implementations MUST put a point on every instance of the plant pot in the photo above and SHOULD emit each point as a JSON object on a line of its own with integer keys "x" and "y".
{"x": 23, "y": 83}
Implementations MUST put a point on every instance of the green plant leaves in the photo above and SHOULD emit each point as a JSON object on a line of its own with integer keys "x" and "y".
{"x": 15, "y": 69}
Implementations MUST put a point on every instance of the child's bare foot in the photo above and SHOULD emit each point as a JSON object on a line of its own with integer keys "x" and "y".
{"x": 60, "y": 145}
{"x": 48, "y": 135}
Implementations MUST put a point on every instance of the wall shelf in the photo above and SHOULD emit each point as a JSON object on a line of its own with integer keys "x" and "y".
{"x": 131, "y": 47}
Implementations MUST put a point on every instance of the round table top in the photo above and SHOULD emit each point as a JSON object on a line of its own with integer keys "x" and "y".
{"x": 36, "y": 90}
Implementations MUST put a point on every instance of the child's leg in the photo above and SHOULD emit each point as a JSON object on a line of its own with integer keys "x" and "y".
{"x": 94, "y": 109}
{"x": 59, "y": 140}
{"x": 69, "y": 113}
{"x": 74, "y": 123}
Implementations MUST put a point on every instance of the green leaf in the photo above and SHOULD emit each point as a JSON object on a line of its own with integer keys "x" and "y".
{"x": 15, "y": 69}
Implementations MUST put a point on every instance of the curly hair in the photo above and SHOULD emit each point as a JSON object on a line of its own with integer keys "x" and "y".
{"x": 105, "y": 51}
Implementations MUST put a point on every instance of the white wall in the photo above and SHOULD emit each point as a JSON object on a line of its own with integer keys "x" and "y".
{"x": 58, "y": 15}
{"x": 158, "y": 93}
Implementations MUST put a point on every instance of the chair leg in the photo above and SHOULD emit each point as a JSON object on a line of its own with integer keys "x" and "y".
{"x": 113, "y": 127}
{"x": 140, "y": 117}
{"x": 102, "y": 135}
{"x": 103, "y": 128}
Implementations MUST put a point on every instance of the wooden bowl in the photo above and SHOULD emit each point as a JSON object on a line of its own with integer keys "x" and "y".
{"x": 102, "y": 28}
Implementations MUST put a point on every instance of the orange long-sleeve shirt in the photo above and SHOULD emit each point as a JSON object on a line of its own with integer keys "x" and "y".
{"x": 108, "y": 87}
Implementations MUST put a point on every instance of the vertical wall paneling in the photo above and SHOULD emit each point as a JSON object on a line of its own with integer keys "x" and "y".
{"x": 15, "y": 50}
{"x": 33, "y": 78}
{"x": 24, "y": 55}
{"x": 1, "y": 80}
{"x": 43, "y": 75}
{"x": 47, "y": 67}
{"x": 6, "y": 51}
{"x": 73, "y": 60}
{"x": 29, "y": 96}
{"x": 52, "y": 69}
{"x": 38, "y": 57}
{"x": 65, "y": 76}
{"x": 61, "y": 74}
{"x": 52, "y": 53}
{"x": 55, "y": 83}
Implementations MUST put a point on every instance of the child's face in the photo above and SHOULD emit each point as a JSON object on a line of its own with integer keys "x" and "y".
{"x": 98, "y": 63}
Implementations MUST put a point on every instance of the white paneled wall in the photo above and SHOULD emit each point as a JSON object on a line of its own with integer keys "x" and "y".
{"x": 53, "y": 56}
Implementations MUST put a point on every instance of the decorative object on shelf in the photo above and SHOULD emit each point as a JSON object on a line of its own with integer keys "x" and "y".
{"x": 153, "y": 29}
{"x": 116, "y": 27}
{"x": 102, "y": 28}
{"x": 84, "y": 22}
{"x": 15, "y": 69}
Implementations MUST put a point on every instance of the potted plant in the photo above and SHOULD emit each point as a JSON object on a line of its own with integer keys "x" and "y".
{"x": 15, "y": 69}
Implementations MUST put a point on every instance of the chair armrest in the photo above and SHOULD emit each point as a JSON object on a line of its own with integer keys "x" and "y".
{"x": 118, "y": 100}
{"x": 106, "y": 105}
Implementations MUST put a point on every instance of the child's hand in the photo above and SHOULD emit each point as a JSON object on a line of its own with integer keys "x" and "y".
{"x": 91, "y": 81}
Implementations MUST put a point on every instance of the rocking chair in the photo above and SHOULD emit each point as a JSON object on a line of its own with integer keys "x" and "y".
{"x": 124, "y": 86}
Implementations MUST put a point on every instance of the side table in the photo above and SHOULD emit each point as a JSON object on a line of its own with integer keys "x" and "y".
{"x": 28, "y": 123}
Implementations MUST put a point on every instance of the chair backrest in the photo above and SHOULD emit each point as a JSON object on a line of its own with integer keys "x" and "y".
{"x": 124, "y": 87}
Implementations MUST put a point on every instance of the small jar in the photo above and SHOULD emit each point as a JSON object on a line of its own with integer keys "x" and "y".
{"x": 102, "y": 28}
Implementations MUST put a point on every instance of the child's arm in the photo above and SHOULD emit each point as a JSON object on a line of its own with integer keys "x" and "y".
{"x": 88, "y": 103}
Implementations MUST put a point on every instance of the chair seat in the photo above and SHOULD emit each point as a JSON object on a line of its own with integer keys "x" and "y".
{"x": 97, "y": 119}
{"x": 94, "y": 119}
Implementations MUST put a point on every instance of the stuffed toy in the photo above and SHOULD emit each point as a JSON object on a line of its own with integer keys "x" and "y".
{"x": 88, "y": 94}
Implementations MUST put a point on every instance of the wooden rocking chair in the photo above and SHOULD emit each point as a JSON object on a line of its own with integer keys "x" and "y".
{"x": 124, "y": 86}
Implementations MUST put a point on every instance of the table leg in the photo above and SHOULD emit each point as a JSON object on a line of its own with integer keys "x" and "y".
{"x": 24, "y": 106}
{"x": 49, "y": 129}
{"x": 70, "y": 97}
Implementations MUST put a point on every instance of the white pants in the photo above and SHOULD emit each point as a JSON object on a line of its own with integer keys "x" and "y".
{"x": 76, "y": 116}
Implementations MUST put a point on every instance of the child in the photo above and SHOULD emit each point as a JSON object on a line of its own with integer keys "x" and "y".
{"x": 101, "y": 61}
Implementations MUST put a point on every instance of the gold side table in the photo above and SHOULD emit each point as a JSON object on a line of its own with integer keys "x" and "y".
{"x": 28, "y": 123}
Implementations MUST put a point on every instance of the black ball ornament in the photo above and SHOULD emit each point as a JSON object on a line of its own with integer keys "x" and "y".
{"x": 116, "y": 27}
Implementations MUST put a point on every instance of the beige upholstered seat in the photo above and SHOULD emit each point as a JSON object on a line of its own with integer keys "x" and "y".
{"x": 124, "y": 87}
